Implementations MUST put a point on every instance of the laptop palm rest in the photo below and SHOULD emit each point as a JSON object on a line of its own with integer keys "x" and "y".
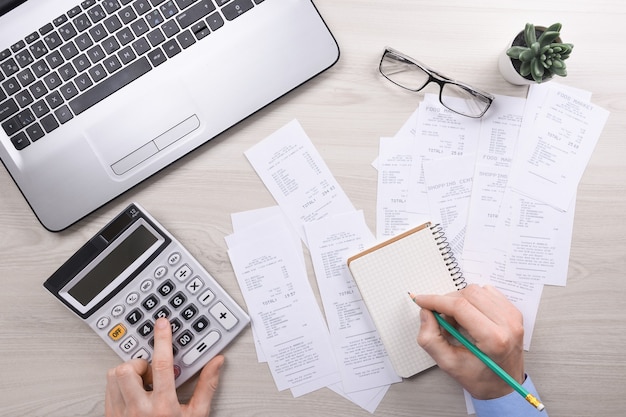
{"x": 156, "y": 145}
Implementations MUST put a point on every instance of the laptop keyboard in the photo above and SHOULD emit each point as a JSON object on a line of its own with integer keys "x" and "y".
{"x": 94, "y": 50}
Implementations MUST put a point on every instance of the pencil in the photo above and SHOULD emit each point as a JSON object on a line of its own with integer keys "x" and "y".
{"x": 487, "y": 361}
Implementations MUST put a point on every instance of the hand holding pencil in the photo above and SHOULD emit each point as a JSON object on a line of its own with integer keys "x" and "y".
{"x": 497, "y": 329}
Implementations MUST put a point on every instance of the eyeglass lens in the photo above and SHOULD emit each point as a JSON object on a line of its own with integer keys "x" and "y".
{"x": 408, "y": 75}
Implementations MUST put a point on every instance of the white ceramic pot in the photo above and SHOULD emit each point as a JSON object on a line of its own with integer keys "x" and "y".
{"x": 508, "y": 71}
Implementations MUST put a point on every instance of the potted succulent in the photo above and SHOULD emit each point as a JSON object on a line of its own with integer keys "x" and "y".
{"x": 535, "y": 55}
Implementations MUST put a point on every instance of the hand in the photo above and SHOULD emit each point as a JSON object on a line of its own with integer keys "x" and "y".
{"x": 127, "y": 397}
{"x": 495, "y": 325}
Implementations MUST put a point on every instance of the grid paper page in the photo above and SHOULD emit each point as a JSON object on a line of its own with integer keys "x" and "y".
{"x": 384, "y": 274}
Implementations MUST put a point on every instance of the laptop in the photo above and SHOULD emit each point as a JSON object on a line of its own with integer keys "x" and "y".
{"x": 96, "y": 96}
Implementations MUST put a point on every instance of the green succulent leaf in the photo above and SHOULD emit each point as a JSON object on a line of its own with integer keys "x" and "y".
{"x": 537, "y": 70}
{"x": 515, "y": 51}
{"x": 529, "y": 34}
{"x": 547, "y": 37}
{"x": 526, "y": 55}
{"x": 556, "y": 27}
{"x": 524, "y": 69}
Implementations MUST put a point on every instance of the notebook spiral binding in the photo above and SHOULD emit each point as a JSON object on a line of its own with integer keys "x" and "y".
{"x": 448, "y": 256}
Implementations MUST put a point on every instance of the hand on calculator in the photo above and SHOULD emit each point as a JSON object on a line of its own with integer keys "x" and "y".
{"x": 127, "y": 396}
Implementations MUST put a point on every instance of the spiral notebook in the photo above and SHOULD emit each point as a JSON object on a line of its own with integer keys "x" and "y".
{"x": 418, "y": 260}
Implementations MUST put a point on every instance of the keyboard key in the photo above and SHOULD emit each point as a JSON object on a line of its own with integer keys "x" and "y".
{"x": 54, "y": 59}
{"x": 11, "y": 86}
{"x": 127, "y": 15}
{"x": 195, "y": 13}
{"x": 157, "y": 57}
{"x": 52, "y": 81}
{"x": 52, "y": 40}
{"x": 63, "y": 114}
{"x": 142, "y": 6}
{"x": 82, "y": 23}
{"x": 236, "y": 8}
{"x": 171, "y": 48}
{"x": 40, "y": 108}
{"x": 215, "y": 21}
{"x": 20, "y": 141}
{"x": 113, "y": 23}
{"x": 67, "y": 31}
{"x": 49, "y": 123}
{"x": 96, "y": 14}
{"x": 38, "y": 89}
{"x": 154, "y": 18}
{"x": 169, "y": 9}
{"x": 38, "y": 49}
{"x": 111, "y": 6}
{"x": 98, "y": 32}
{"x": 54, "y": 99}
{"x": 34, "y": 132}
{"x": 11, "y": 126}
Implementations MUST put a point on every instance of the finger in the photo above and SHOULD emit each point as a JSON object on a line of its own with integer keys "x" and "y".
{"x": 431, "y": 339}
{"x": 129, "y": 379}
{"x": 163, "y": 361}
{"x": 458, "y": 307}
{"x": 113, "y": 400}
{"x": 200, "y": 403}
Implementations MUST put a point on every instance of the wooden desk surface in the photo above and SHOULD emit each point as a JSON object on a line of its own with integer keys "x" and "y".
{"x": 54, "y": 365}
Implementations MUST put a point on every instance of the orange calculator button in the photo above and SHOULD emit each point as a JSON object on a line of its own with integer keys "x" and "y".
{"x": 117, "y": 332}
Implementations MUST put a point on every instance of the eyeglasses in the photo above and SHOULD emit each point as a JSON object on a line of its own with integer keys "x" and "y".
{"x": 412, "y": 75}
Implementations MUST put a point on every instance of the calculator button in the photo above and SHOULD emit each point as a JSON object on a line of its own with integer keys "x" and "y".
{"x": 203, "y": 346}
{"x": 146, "y": 285}
{"x": 167, "y": 288}
{"x": 185, "y": 338}
{"x": 178, "y": 300}
{"x": 174, "y": 258}
{"x": 223, "y": 316}
{"x": 103, "y": 322}
{"x": 194, "y": 285}
{"x": 183, "y": 272}
{"x": 117, "y": 332}
{"x": 145, "y": 329}
{"x": 150, "y": 302}
{"x": 162, "y": 312}
{"x": 206, "y": 297}
{"x": 132, "y": 298}
{"x": 189, "y": 312}
{"x": 176, "y": 325}
{"x": 200, "y": 324}
{"x": 177, "y": 371}
{"x": 117, "y": 310}
{"x": 129, "y": 344}
{"x": 141, "y": 354}
{"x": 160, "y": 272}
{"x": 134, "y": 316}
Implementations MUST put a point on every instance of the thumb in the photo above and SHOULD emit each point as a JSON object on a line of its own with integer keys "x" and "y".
{"x": 433, "y": 341}
{"x": 200, "y": 403}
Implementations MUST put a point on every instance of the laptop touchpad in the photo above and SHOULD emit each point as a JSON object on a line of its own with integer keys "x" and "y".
{"x": 141, "y": 129}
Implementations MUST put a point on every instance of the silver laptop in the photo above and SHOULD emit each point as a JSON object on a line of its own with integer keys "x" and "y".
{"x": 96, "y": 96}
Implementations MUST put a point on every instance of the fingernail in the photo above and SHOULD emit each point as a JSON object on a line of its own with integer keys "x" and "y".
{"x": 423, "y": 316}
{"x": 162, "y": 323}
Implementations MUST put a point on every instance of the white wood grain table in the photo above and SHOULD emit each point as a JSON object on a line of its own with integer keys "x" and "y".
{"x": 53, "y": 365}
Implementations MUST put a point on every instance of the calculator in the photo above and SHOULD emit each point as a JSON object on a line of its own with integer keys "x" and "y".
{"x": 133, "y": 272}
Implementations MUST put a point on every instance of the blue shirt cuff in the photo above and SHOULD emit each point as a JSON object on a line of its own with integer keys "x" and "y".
{"x": 511, "y": 405}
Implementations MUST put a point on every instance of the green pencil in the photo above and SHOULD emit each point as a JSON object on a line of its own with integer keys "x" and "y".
{"x": 487, "y": 361}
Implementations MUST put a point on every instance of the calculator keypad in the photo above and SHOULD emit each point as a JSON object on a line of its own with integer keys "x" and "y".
{"x": 199, "y": 318}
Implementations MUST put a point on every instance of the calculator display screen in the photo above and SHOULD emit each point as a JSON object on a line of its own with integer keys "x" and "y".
{"x": 123, "y": 255}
